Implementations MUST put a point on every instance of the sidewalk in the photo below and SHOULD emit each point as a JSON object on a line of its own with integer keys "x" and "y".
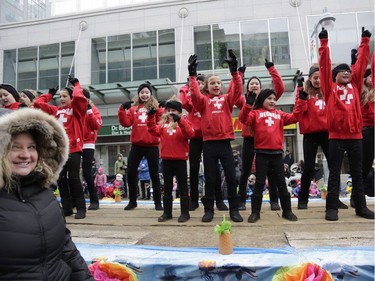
{"x": 112, "y": 225}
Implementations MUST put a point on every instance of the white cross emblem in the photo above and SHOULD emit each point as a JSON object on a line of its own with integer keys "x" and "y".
{"x": 142, "y": 117}
{"x": 269, "y": 121}
{"x": 171, "y": 131}
{"x": 217, "y": 104}
{"x": 346, "y": 97}
{"x": 320, "y": 104}
{"x": 62, "y": 119}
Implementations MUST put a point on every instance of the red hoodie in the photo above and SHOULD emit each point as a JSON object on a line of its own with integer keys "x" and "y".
{"x": 344, "y": 118}
{"x": 93, "y": 123}
{"x": 72, "y": 117}
{"x": 174, "y": 144}
{"x": 136, "y": 117}
{"x": 216, "y": 111}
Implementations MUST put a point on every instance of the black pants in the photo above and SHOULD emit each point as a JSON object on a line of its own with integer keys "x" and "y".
{"x": 213, "y": 151}
{"x": 311, "y": 142}
{"x": 353, "y": 149}
{"x": 87, "y": 158}
{"x": 135, "y": 156}
{"x": 271, "y": 165}
{"x": 247, "y": 161}
{"x": 195, "y": 154}
{"x": 70, "y": 186}
{"x": 176, "y": 168}
{"x": 368, "y": 150}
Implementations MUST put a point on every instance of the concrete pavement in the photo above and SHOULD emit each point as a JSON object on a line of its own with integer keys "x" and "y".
{"x": 112, "y": 225}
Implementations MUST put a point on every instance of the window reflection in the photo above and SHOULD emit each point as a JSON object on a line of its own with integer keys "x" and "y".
{"x": 144, "y": 55}
{"x": 67, "y": 53}
{"x": 203, "y": 47}
{"x": 119, "y": 58}
{"x": 48, "y": 66}
{"x": 27, "y": 68}
{"x": 167, "y": 56}
{"x": 225, "y": 37}
{"x": 10, "y": 61}
{"x": 98, "y": 60}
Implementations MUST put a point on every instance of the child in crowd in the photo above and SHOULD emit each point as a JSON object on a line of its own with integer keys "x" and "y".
{"x": 27, "y": 97}
{"x": 144, "y": 178}
{"x": 217, "y": 130}
{"x": 100, "y": 182}
{"x": 174, "y": 131}
{"x": 268, "y": 123}
{"x": 341, "y": 90}
{"x": 9, "y": 97}
{"x": 143, "y": 143}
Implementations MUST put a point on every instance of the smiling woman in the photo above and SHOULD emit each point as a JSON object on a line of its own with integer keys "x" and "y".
{"x": 35, "y": 147}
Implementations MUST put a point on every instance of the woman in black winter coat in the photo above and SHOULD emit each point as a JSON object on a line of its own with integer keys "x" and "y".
{"x": 34, "y": 241}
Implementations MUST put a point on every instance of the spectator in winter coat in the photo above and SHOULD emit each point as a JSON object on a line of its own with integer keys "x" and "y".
{"x": 34, "y": 241}
{"x": 144, "y": 178}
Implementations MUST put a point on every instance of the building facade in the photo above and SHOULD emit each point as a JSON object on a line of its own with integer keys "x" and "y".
{"x": 114, "y": 50}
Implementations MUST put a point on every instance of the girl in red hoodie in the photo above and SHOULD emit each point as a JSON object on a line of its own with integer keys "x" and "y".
{"x": 174, "y": 131}
{"x": 71, "y": 113}
{"x": 143, "y": 143}
{"x": 217, "y": 130}
{"x": 341, "y": 90}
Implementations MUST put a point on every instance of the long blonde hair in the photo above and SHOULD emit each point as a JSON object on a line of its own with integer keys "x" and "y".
{"x": 367, "y": 94}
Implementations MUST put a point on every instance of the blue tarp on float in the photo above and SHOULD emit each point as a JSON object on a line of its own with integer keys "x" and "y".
{"x": 151, "y": 263}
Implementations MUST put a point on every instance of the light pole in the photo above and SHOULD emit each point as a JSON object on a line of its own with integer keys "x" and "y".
{"x": 327, "y": 21}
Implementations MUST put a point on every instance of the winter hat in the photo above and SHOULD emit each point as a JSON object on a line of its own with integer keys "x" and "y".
{"x": 144, "y": 85}
{"x": 265, "y": 93}
{"x": 338, "y": 68}
{"x": 29, "y": 94}
{"x": 251, "y": 78}
{"x": 174, "y": 104}
{"x": 86, "y": 93}
{"x": 201, "y": 77}
{"x": 367, "y": 73}
{"x": 313, "y": 69}
{"x": 69, "y": 90}
{"x": 11, "y": 90}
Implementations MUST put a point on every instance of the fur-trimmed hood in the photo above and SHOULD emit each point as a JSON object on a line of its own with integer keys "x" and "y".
{"x": 52, "y": 141}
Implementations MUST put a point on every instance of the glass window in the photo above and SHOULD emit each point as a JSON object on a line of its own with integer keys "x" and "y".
{"x": 144, "y": 55}
{"x": 98, "y": 61}
{"x": 67, "y": 53}
{"x": 203, "y": 48}
{"x": 48, "y": 66}
{"x": 279, "y": 41}
{"x": 255, "y": 44}
{"x": 10, "y": 61}
{"x": 225, "y": 37}
{"x": 27, "y": 68}
{"x": 167, "y": 56}
{"x": 119, "y": 58}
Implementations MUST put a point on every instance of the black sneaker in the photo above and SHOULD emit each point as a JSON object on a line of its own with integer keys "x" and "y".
{"x": 342, "y": 205}
{"x": 235, "y": 216}
{"x": 165, "y": 217}
{"x": 93, "y": 206}
{"x": 302, "y": 206}
{"x": 184, "y": 218}
{"x": 275, "y": 206}
{"x": 208, "y": 216}
{"x": 81, "y": 214}
{"x": 254, "y": 217}
{"x": 221, "y": 206}
{"x": 130, "y": 206}
{"x": 365, "y": 213}
{"x": 289, "y": 216}
{"x": 158, "y": 207}
{"x": 332, "y": 215}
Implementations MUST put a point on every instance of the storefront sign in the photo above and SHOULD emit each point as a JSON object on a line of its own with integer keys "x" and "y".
{"x": 114, "y": 130}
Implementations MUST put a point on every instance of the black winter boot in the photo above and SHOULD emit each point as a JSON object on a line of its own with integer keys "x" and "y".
{"x": 256, "y": 205}
{"x": 167, "y": 214}
{"x": 221, "y": 205}
{"x": 234, "y": 214}
{"x": 184, "y": 206}
{"x": 208, "y": 209}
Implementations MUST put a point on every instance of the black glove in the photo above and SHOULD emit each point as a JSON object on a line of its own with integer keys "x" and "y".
{"x": 323, "y": 33}
{"x": 89, "y": 106}
{"x": 353, "y": 55}
{"x": 192, "y": 65}
{"x": 72, "y": 80}
{"x": 175, "y": 117}
{"x": 303, "y": 95}
{"x": 300, "y": 80}
{"x": 242, "y": 69}
{"x": 268, "y": 64}
{"x": 151, "y": 112}
{"x": 22, "y": 105}
{"x": 127, "y": 104}
{"x": 162, "y": 103}
{"x": 365, "y": 33}
{"x": 250, "y": 99}
{"x": 231, "y": 61}
{"x": 53, "y": 91}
